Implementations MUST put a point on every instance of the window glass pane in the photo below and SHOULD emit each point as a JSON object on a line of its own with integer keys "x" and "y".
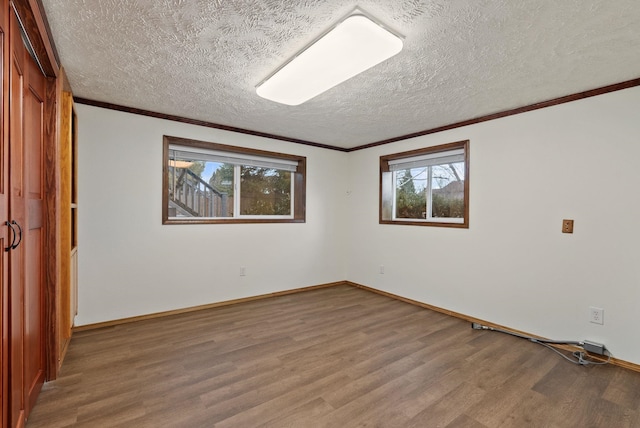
{"x": 430, "y": 192}
{"x": 411, "y": 200}
{"x": 199, "y": 188}
{"x": 220, "y": 178}
{"x": 447, "y": 190}
{"x": 209, "y": 183}
{"x": 264, "y": 191}
{"x": 426, "y": 187}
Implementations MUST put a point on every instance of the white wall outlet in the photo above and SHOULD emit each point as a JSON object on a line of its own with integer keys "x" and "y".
{"x": 243, "y": 271}
{"x": 596, "y": 315}
{"x": 381, "y": 269}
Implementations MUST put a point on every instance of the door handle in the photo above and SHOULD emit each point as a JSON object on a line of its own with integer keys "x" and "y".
{"x": 14, "y": 236}
{"x": 14, "y": 246}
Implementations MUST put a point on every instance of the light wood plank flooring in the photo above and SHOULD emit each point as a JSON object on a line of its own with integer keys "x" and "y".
{"x": 333, "y": 357}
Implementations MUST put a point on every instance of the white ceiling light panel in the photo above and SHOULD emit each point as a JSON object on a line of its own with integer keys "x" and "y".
{"x": 351, "y": 47}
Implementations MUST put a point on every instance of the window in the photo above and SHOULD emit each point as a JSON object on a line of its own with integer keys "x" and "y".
{"x": 426, "y": 187}
{"x": 214, "y": 183}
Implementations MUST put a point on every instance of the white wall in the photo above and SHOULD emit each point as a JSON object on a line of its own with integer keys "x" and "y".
{"x": 130, "y": 264}
{"x": 513, "y": 266}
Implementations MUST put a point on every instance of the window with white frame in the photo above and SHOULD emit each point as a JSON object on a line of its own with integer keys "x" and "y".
{"x": 428, "y": 187}
{"x": 214, "y": 183}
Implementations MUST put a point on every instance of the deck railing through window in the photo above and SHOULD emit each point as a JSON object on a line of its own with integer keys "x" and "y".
{"x": 190, "y": 196}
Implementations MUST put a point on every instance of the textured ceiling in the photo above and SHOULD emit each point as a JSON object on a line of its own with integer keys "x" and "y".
{"x": 462, "y": 59}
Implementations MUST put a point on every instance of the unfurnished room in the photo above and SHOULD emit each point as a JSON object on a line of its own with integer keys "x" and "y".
{"x": 306, "y": 214}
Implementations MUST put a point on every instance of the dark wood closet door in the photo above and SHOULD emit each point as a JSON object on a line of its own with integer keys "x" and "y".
{"x": 16, "y": 213}
{"x": 26, "y": 280}
{"x": 33, "y": 231}
{"x": 29, "y": 197}
{"x": 5, "y": 236}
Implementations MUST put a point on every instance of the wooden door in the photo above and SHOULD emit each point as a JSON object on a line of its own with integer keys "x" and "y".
{"x": 26, "y": 285}
{"x": 16, "y": 214}
{"x": 28, "y": 161}
{"x": 5, "y": 235}
{"x": 33, "y": 230}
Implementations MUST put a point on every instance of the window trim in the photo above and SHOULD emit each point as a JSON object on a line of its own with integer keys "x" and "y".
{"x": 386, "y": 214}
{"x": 298, "y": 179}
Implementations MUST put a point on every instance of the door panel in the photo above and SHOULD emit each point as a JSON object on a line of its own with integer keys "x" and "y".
{"x": 26, "y": 290}
{"x": 34, "y": 340}
{"x": 5, "y": 235}
{"x": 26, "y": 146}
{"x": 17, "y": 210}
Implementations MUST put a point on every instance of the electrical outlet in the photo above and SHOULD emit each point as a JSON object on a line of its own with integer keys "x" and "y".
{"x": 567, "y": 226}
{"x": 381, "y": 269}
{"x": 243, "y": 271}
{"x": 596, "y": 315}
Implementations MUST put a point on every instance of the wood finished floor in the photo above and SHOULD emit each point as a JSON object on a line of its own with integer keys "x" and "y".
{"x": 333, "y": 357}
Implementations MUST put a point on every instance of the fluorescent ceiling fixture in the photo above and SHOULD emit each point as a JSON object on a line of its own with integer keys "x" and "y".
{"x": 351, "y": 47}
